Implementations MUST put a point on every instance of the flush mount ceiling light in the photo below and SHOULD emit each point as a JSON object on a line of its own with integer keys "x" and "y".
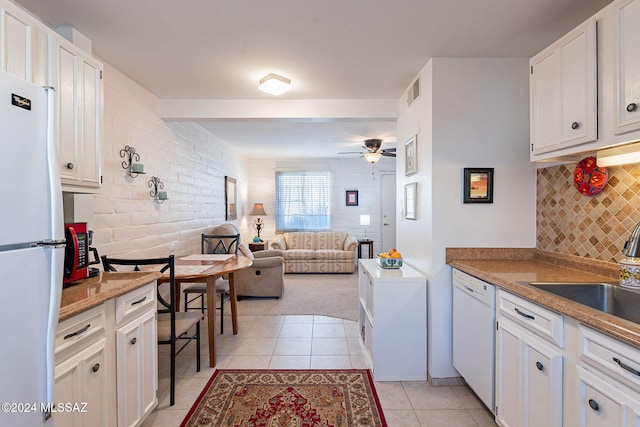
{"x": 274, "y": 84}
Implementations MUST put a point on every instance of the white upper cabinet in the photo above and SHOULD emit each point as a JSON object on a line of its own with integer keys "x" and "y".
{"x": 22, "y": 44}
{"x": 563, "y": 92}
{"x": 77, "y": 79}
{"x": 627, "y": 66}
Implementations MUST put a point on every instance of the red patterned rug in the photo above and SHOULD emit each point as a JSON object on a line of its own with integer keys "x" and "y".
{"x": 287, "y": 398}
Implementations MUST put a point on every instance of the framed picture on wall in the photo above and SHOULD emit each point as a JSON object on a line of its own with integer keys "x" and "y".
{"x": 230, "y": 198}
{"x": 478, "y": 185}
{"x": 410, "y": 200}
{"x": 410, "y": 156}
{"x": 352, "y": 197}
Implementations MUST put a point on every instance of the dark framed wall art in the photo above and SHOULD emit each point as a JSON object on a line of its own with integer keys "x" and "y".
{"x": 351, "y": 197}
{"x": 478, "y": 185}
{"x": 230, "y": 198}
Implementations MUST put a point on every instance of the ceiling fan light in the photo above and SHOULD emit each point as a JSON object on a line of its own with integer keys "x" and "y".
{"x": 372, "y": 157}
{"x": 274, "y": 84}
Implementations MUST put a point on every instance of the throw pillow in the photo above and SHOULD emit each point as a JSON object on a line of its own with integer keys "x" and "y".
{"x": 246, "y": 251}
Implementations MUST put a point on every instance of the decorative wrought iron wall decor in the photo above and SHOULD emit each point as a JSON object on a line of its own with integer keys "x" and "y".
{"x": 156, "y": 190}
{"x": 132, "y": 161}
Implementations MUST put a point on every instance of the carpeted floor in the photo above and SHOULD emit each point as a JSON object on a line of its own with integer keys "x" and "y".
{"x": 258, "y": 398}
{"x": 333, "y": 295}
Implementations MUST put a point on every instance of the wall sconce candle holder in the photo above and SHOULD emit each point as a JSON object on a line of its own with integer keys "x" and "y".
{"x": 130, "y": 155}
{"x": 156, "y": 190}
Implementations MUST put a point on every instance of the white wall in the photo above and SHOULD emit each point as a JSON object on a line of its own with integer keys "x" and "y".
{"x": 347, "y": 174}
{"x": 472, "y": 113}
{"x": 190, "y": 162}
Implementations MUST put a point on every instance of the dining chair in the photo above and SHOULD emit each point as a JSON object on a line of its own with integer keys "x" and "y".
{"x": 172, "y": 326}
{"x": 215, "y": 244}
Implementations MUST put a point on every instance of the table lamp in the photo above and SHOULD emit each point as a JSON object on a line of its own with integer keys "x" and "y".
{"x": 258, "y": 225}
{"x": 365, "y": 220}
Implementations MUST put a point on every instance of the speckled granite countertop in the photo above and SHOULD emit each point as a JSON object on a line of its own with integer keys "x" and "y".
{"x": 506, "y": 267}
{"x": 89, "y": 293}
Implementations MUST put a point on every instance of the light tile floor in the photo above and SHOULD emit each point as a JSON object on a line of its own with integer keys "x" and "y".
{"x": 309, "y": 342}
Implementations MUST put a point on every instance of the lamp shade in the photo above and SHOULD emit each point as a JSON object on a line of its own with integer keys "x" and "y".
{"x": 274, "y": 84}
{"x": 257, "y": 209}
{"x": 372, "y": 157}
{"x": 365, "y": 219}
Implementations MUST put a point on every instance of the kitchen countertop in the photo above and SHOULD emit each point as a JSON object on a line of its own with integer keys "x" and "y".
{"x": 89, "y": 293}
{"x": 506, "y": 267}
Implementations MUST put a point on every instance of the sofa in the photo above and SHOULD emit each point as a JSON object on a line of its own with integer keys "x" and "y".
{"x": 317, "y": 252}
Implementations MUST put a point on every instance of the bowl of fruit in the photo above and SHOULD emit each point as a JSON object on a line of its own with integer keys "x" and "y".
{"x": 390, "y": 259}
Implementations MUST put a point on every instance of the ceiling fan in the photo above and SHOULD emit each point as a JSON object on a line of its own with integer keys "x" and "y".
{"x": 373, "y": 153}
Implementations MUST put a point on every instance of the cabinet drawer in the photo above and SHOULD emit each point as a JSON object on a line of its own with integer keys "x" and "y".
{"x": 537, "y": 319}
{"x": 78, "y": 332}
{"x": 615, "y": 358}
{"x": 133, "y": 304}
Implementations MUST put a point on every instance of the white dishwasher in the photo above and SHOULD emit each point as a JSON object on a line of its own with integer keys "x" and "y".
{"x": 474, "y": 330}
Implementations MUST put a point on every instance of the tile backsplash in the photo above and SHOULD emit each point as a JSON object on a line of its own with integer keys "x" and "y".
{"x": 593, "y": 227}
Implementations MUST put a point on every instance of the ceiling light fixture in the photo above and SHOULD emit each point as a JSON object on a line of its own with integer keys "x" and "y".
{"x": 372, "y": 157}
{"x": 274, "y": 84}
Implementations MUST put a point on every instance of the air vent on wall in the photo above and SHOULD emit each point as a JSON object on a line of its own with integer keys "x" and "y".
{"x": 413, "y": 92}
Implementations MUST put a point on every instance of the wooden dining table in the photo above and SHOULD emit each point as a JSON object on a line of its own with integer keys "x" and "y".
{"x": 208, "y": 268}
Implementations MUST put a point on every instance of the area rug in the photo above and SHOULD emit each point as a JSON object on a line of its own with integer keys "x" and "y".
{"x": 333, "y": 295}
{"x": 287, "y": 398}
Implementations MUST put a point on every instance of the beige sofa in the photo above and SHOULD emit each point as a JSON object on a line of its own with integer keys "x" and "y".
{"x": 317, "y": 252}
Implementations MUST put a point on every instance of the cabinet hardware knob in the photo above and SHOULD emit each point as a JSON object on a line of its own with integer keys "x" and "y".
{"x": 133, "y": 340}
{"x": 540, "y": 366}
{"x": 575, "y": 125}
{"x": 632, "y": 107}
{"x": 95, "y": 367}
{"x": 594, "y": 405}
{"x": 69, "y": 165}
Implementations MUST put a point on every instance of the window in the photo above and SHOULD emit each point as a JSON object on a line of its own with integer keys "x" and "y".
{"x": 303, "y": 200}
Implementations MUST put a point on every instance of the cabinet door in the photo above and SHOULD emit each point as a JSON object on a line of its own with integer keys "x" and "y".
{"x": 136, "y": 344}
{"x": 543, "y": 384}
{"x": 578, "y": 83}
{"x": 83, "y": 379}
{"x": 508, "y": 377}
{"x": 627, "y": 63}
{"x": 78, "y": 125}
{"x": 563, "y": 90}
{"x": 545, "y": 102}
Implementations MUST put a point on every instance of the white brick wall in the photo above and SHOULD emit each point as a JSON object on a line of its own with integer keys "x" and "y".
{"x": 190, "y": 162}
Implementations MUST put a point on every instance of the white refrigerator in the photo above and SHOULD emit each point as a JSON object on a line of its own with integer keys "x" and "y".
{"x": 31, "y": 252}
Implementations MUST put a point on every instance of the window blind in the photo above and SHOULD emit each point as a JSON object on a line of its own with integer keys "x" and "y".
{"x": 303, "y": 200}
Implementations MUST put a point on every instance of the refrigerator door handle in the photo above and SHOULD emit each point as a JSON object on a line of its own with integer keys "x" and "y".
{"x": 55, "y": 289}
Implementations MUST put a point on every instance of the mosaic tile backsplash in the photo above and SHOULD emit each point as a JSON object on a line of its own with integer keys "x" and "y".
{"x": 592, "y": 227}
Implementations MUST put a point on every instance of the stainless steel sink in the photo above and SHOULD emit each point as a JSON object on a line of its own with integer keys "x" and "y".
{"x": 612, "y": 299}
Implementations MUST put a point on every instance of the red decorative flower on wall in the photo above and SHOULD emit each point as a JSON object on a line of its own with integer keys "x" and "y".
{"x": 588, "y": 178}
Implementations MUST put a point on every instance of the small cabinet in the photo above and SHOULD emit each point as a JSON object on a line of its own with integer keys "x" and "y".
{"x": 77, "y": 79}
{"x": 627, "y": 66}
{"x": 563, "y": 92}
{"x": 393, "y": 316}
{"x": 136, "y": 355}
{"x": 82, "y": 372}
{"x": 22, "y": 44}
{"x": 529, "y": 371}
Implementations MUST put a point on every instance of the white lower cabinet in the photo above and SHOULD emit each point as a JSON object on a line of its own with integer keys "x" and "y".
{"x": 137, "y": 358}
{"x": 107, "y": 363}
{"x": 83, "y": 374}
{"x": 393, "y": 321}
{"x": 529, "y": 368}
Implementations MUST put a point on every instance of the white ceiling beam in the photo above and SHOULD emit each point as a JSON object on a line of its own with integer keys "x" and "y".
{"x": 281, "y": 109}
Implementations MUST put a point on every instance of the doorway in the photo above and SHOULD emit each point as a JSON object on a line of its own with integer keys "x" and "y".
{"x": 388, "y": 210}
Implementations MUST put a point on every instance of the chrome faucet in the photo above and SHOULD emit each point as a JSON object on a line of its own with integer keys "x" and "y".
{"x": 632, "y": 246}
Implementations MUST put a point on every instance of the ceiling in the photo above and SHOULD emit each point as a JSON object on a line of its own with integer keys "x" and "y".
{"x": 330, "y": 49}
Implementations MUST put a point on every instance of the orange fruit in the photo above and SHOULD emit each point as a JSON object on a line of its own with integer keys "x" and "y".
{"x": 391, "y": 251}
{"x": 396, "y": 254}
